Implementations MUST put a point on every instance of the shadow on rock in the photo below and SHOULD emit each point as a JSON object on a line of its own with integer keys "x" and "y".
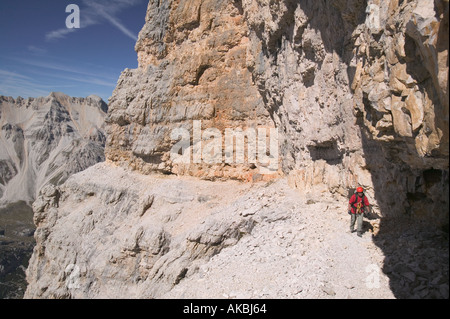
{"x": 416, "y": 258}
{"x": 412, "y": 230}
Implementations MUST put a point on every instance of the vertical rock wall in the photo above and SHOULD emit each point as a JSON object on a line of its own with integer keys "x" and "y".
{"x": 301, "y": 51}
{"x": 401, "y": 103}
{"x": 192, "y": 66}
{"x": 359, "y": 90}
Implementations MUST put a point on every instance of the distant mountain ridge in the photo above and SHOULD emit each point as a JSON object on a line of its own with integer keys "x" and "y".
{"x": 45, "y": 140}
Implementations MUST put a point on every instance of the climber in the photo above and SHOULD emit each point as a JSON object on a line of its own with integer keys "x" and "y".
{"x": 357, "y": 204}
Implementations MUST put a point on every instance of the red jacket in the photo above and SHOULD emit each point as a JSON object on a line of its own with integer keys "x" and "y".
{"x": 355, "y": 199}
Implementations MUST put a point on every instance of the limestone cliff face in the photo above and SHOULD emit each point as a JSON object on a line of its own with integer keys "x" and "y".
{"x": 301, "y": 52}
{"x": 358, "y": 91}
{"x": 401, "y": 101}
{"x": 192, "y": 66}
{"x": 146, "y": 233}
{"x": 45, "y": 140}
{"x": 401, "y": 80}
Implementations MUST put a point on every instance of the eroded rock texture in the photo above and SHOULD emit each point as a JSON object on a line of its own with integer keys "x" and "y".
{"x": 192, "y": 66}
{"x": 45, "y": 140}
{"x": 301, "y": 51}
{"x": 103, "y": 235}
{"x": 359, "y": 90}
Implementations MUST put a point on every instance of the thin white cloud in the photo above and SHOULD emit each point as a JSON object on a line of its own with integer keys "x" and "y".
{"x": 114, "y": 21}
{"x": 64, "y": 68}
{"x": 27, "y": 87}
{"x": 95, "y": 81}
{"x": 5, "y": 73}
{"x": 95, "y": 12}
{"x": 58, "y": 34}
{"x": 13, "y": 84}
{"x": 36, "y": 50}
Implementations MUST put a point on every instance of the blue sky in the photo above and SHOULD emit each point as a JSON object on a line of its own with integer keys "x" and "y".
{"x": 39, "y": 54}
